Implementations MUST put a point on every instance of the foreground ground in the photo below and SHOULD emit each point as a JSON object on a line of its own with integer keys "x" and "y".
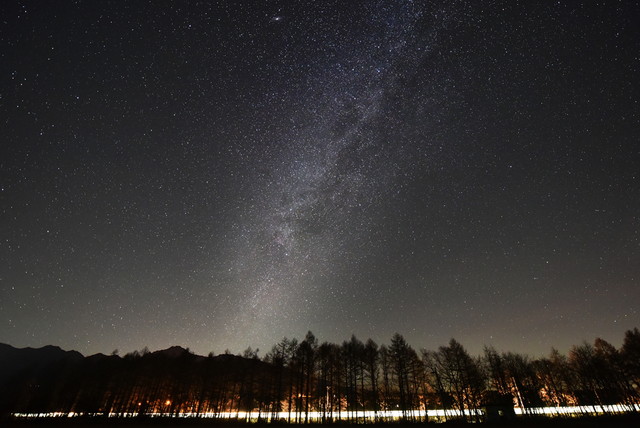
{"x": 619, "y": 421}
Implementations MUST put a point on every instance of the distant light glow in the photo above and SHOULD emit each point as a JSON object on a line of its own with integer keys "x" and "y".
{"x": 365, "y": 415}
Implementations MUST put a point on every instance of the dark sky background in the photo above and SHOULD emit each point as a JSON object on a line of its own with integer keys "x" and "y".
{"x": 223, "y": 174}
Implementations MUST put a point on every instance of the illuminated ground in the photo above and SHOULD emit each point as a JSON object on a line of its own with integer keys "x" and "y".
{"x": 619, "y": 421}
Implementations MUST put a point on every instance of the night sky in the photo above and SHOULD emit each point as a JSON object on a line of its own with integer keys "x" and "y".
{"x": 223, "y": 174}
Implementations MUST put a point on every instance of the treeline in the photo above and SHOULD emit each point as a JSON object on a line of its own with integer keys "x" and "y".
{"x": 297, "y": 381}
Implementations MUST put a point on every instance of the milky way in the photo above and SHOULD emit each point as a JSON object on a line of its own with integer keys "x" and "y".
{"x": 318, "y": 195}
{"x": 223, "y": 175}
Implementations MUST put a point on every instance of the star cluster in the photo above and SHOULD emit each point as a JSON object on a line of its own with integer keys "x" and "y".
{"x": 223, "y": 174}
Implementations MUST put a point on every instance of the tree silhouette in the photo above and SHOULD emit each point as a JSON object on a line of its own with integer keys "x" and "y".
{"x": 401, "y": 357}
{"x": 630, "y": 356}
{"x": 371, "y": 360}
{"x": 307, "y": 354}
{"x": 338, "y": 381}
{"x": 457, "y": 376}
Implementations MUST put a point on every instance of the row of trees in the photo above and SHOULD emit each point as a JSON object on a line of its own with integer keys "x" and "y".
{"x": 302, "y": 380}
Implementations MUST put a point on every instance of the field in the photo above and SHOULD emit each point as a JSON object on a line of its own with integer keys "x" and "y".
{"x": 619, "y": 421}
